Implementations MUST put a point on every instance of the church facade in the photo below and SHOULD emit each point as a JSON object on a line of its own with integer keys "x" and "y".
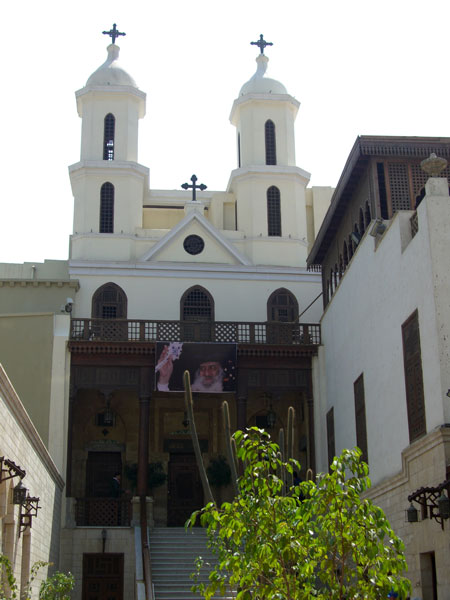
{"x": 195, "y": 271}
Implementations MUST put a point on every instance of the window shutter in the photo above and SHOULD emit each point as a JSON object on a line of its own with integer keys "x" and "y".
{"x": 412, "y": 359}
{"x": 330, "y": 436}
{"x": 360, "y": 417}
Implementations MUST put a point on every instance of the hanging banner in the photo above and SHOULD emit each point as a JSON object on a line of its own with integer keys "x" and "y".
{"x": 212, "y": 366}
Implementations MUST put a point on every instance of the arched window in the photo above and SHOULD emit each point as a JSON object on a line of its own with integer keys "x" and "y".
{"x": 197, "y": 304}
{"x": 108, "y": 137}
{"x": 109, "y": 302}
{"x": 350, "y": 247}
{"x": 282, "y": 306}
{"x": 361, "y": 221}
{"x": 271, "y": 148}
{"x": 273, "y": 211}
{"x": 367, "y": 215}
{"x": 107, "y": 208}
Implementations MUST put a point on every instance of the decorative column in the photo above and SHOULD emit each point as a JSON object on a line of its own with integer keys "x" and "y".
{"x": 311, "y": 439}
{"x": 241, "y": 400}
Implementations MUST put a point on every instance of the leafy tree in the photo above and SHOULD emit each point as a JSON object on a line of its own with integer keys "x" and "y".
{"x": 55, "y": 587}
{"x": 318, "y": 539}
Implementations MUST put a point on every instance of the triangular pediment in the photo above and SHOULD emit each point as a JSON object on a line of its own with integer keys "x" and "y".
{"x": 217, "y": 249}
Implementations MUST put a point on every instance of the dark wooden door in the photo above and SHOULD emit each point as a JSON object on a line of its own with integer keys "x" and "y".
{"x": 100, "y": 470}
{"x": 185, "y": 489}
{"x": 102, "y": 577}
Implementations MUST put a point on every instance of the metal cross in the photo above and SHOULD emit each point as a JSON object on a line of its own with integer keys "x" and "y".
{"x": 261, "y": 43}
{"x": 113, "y": 33}
{"x": 194, "y": 187}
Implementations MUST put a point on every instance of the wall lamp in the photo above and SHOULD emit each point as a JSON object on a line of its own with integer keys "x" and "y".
{"x": 8, "y": 470}
{"x": 433, "y": 501}
{"x": 378, "y": 228}
{"x": 28, "y": 510}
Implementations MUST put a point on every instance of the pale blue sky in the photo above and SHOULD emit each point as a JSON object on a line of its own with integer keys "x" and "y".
{"x": 357, "y": 67}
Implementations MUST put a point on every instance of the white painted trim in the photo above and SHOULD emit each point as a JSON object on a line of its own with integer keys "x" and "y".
{"x": 194, "y": 270}
{"x": 175, "y": 231}
{"x": 269, "y": 173}
{"x": 118, "y": 167}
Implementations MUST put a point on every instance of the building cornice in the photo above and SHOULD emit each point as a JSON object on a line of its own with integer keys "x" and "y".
{"x": 196, "y": 270}
{"x": 116, "y": 167}
{"x": 60, "y": 283}
{"x": 268, "y": 172}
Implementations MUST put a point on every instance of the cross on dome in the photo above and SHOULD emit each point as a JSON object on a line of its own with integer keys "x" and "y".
{"x": 261, "y": 43}
{"x": 114, "y": 33}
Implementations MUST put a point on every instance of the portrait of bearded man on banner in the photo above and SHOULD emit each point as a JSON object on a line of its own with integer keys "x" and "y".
{"x": 211, "y": 366}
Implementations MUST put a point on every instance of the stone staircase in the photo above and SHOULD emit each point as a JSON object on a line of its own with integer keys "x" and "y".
{"x": 173, "y": 551}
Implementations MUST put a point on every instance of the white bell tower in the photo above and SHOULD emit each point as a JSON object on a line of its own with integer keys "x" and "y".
{"x": 108, "y": 183}
{"x": 268, "y": 186}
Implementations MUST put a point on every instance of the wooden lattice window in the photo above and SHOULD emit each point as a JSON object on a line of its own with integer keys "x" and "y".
{"x": 108, "y": 137}
{"x": 273, "y": 211}
{"x": 382, "y": 191}
{"x": 331, "y": 444}
{"x": 412, "y": 359}
{"x": 109, "y": 302}
{"x": 197, "y": 304}
{"x": 399, "y": 185}
{"x": 271, "y": 150}
{"x": 282, "y": 306}
{"x": 107, "y": 208}
{"x": 360, "y": 417}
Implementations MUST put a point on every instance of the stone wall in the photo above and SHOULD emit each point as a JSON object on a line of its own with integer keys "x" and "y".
{"x": 21, "y": 444}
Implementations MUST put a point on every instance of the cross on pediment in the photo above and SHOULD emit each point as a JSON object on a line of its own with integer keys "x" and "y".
{"x": 113, "y": 33}
{"x": 194, "y": 187}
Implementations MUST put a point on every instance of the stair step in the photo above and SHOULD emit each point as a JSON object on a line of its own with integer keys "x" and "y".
{"x": 173, "y": 551}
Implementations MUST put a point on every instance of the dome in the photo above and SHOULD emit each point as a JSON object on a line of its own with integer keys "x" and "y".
{"x": 110, "y": 72}
{"x": 259, "y": 84}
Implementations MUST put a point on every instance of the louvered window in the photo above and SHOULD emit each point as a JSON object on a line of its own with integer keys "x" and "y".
{"x": 107, "y": 208}
{"x": 109, "y": 302}
{"x": 271, "y": 150}
{"x": 360, "y": 417}
{"x": 196, "y": 305}
{"x": 108, "y": 137}
{"x": 412, "y": 359}
{"x": 273, "y": 211}
{"x": 330, "y": 436}
{"x": 282, "y": 306}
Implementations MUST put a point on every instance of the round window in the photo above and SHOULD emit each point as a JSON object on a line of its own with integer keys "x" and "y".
{"x": 193, "y": 244}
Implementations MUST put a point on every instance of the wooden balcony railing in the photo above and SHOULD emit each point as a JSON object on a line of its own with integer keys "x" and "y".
{"x": 102, "y": 512}
{"x": 124, "y": 330}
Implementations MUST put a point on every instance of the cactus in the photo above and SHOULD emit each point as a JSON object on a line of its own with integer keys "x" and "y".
{"x": 285, "y": 453}
{"x": 231, "y": 451}
{"x": 290, "y": 443}
{"x": 198, "y": 455}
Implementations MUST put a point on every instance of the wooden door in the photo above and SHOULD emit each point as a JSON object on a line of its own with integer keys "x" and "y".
{"x": 100, "y": 470}
{"x": 185, "y": 489}
{"x": 102, "y": 577}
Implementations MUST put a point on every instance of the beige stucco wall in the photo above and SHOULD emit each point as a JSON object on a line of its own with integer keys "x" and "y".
{"x": 33, "y": 349}
{"x": 20, "y": 443}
